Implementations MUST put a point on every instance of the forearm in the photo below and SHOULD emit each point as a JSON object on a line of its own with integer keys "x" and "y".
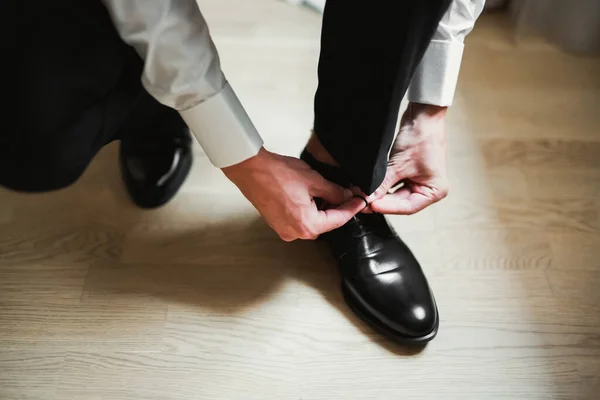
{"x": 182, "y": 70}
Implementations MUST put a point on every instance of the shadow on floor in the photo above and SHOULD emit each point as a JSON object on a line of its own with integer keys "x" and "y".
{"x": 131, "y": 254}
{"x": 226, "y": 267}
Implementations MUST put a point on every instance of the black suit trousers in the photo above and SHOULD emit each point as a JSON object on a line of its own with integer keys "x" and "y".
{"x": 78, "y": 84}
{"x": 369, "y": 53}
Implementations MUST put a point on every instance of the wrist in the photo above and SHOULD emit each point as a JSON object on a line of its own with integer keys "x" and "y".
{"x": 430, "y": 110}
{"x": 421, "y": 123}
{"x": 234, "y": 171}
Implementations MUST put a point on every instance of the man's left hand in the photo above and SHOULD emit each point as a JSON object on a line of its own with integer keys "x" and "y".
{"x": 418, "y": 160}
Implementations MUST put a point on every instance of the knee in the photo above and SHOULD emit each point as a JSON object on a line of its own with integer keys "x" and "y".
{"x": 34, "y": 173}
{"x": 445, "y": 4}
{"x": 441, "y": 5}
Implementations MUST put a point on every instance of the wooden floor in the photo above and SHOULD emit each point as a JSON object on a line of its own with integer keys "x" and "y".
{"x": 199, "y": 300}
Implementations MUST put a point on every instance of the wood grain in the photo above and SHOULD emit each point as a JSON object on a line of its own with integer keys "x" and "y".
{"x": 557, "y": 154}
{"x": 47, "y": 326}
{"x": 200, "y": 300}
{"x": 30, "y": 374}
{"x": 45, "y": 282}
{"x": 57, "y": 243}
{"x": 575, "y": 251}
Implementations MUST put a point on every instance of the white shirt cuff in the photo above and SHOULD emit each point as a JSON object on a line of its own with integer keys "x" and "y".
{"x": 223, "y": 129}
{"x": 434, "y": 81}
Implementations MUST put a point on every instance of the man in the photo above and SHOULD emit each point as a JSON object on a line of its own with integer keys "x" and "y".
{"x": 81, "y": 90}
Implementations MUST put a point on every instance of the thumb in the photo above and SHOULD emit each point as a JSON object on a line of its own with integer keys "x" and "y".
{"x": 392, "y": 177}
{"x": 328, "y": 191}
{"x": 402, "y": 202}
{"x": 334, "y": 218}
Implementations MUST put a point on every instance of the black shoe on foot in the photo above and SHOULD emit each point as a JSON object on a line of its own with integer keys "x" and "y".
{"x": 155, "y": 154}
{"x": 382, "y": 281}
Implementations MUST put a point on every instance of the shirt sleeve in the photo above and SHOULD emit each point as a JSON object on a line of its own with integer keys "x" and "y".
{"x": 434, "y": 81}
{"x": 182, "y": 70}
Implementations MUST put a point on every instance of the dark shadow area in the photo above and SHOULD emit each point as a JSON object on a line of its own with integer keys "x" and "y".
{"x": 226, "y": 267}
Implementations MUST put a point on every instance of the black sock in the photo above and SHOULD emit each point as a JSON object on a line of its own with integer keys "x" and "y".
{"x": 330, "y": 172}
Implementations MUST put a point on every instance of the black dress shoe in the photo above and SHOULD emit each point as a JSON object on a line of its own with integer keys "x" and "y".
{"x": 155, "y": 154}
{"x": 382, "y": 281}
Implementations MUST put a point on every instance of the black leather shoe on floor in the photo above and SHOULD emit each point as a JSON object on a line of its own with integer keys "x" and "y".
{"x": 155, "y": 155}
{"x": 382, "y": 281}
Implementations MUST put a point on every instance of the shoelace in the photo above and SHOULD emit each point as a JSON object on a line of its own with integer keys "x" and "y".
{"x": 364, "y": 224}
{"x": 361, "y": 224}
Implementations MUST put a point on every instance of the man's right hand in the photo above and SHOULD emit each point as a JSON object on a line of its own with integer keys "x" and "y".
{"x": 282, "y": 190}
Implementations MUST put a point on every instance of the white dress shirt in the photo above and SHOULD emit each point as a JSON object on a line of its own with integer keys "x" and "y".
{"x": 434, "y": 81}
{"x": 182, "y": 69}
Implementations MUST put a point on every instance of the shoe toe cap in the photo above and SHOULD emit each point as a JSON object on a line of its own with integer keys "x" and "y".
{"x": 418, "y": 320}
{"x": 406, "y": 309}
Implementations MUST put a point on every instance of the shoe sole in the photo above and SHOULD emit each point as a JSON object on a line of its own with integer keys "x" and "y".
{"x": 384, "y": 330}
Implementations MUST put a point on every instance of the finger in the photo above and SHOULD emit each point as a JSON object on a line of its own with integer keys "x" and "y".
{"x": 367, "y": 210}
{"x": 356, "y": 191}
{"x": 328, "y": 191}
{"x": 334, "y": 218}
{"x": 403, "y": 193}
{"x": 403, "y": 202}
{"x": 392, "y": 177}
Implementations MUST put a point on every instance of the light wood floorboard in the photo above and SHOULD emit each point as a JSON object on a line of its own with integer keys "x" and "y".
{"x": 200, "y": 300}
